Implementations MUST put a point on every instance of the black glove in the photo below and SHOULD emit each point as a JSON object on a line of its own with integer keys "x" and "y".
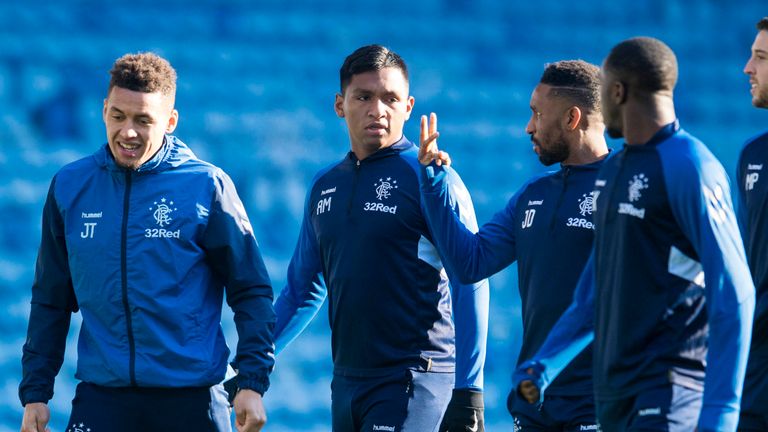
{"x": 464, "y": 412}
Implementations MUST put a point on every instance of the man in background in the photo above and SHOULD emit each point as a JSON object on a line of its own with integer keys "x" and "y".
{"x": 546, "y": 227}
{"x": 753, "y": 213}
{"x": 666, "y": 293}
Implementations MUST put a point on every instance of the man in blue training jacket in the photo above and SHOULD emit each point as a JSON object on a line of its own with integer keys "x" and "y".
{"x": 666, "y": 293}
{"x": 144, "y": 238}
{"x": 546, "y": 227}
{"x": 753, "y": 214}
{"x": 365, "y": 243}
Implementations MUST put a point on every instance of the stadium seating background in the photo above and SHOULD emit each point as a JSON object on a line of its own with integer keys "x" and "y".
{"x": 255, "y": 93}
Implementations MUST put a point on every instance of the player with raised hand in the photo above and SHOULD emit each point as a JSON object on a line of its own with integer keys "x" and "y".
{"x": 546, "y": 228}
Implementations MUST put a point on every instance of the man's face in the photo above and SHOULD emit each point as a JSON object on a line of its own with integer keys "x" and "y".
{"x": 375, "y": 106}
{"x": 757, "y": 69}
{"x": 546, "y": 126}
{"x": 136, "y": 123}
{"x": 610, "y": 109}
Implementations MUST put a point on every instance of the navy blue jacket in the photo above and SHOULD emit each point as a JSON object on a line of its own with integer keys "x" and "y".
{"x": 667, "y": 280}
{"x": 753, "y": 213}
{"x": 365, "y": 242}
{"x": 145, "y": 256}
{"x": 547, "y": 228}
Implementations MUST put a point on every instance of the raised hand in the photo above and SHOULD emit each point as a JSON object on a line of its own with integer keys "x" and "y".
{"x": 428, "y": 150}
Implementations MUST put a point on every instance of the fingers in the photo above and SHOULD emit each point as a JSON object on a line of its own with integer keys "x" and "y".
{"x": 250, "y": 413}
{"x": 428, "y": 135}
{"x": 433, "y": 123}
{"x": 36, "y": 416}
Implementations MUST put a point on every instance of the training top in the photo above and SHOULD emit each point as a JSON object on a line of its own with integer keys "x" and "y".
{"x": 547, "y": 228}
{"x": 145, "y": 256}
{"x": 365, "y": 243}
{"x": 753, "y": 216}
{"x": 667, "y": 280}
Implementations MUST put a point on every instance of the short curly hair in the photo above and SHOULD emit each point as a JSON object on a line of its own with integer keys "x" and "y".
{"x": 144, "y": 72}
{"x": 575, "y": 80}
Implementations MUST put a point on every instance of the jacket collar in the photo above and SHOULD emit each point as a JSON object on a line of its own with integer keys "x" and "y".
{"x": 173, "y": 152}
{"x": 401, "y": 145}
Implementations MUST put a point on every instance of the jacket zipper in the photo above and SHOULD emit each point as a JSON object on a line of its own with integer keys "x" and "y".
{"x": 354, "y": 187}
{"x": 124, "y": 272}
{"x": 566, "y": 172}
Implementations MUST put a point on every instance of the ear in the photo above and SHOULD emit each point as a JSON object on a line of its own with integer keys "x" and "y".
{"x": 619, "y": 92}
{"x": 573, "y": 118}
{"x": 338, "y": 105}
{"x": 409, "y": 107}
{"x": 173, "y": 121}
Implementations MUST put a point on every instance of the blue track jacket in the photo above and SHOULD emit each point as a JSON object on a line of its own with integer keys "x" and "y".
{"x": 667, "y": 290}
{"x": 753, "y": 215}
{"x": 145, "y": 256}
{"x": 547, "y": 228}
{"x": 364, "y": 241}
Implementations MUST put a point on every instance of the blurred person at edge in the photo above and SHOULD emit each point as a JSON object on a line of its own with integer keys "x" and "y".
{"x": 753, "y": 218}
{"x": 144, "y": 239}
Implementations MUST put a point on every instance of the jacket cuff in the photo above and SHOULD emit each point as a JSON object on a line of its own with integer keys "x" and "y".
{"x": 258, "y": 384}
{"x": 33, "y": 396}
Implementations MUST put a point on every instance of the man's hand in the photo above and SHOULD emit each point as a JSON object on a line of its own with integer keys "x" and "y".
{"x": 464, "y": 413}
{"x": 249, "y": 411}
{"x": 36, "y": 417}
{"x": 529, "y": 378}
{"x": 428, "y": 150}
{"x": 528, "y": 390}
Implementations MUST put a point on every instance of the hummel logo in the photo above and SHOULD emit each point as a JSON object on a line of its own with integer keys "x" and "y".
{"x": 327, "y": 191}
{"x": 649, "y": 411}
{"x": 755, "y": 167}
{"x": 384, "y": 428}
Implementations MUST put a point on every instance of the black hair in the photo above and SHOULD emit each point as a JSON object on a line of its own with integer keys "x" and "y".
{"x": 368, "y": 59}
{"x": 575, "y": 80}
{"x": 645, "y": 63}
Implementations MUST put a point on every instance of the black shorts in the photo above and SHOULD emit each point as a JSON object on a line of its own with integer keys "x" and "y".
{"x": 128, "y": 409}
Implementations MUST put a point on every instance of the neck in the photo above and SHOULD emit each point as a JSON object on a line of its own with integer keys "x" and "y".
{"x": 590, "y": 148}
{"x": 363, "y": 151}
{"x": 643, "y": 118}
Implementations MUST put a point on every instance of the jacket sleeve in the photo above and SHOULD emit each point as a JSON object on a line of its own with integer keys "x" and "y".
{"x": 233, "y": 253}
{"x": 700, "y": 197}
{"x": 471, "y": 254}
{"x": 305, "y": 290}
{"x": 741, "y": 202}
{"x": 53, "y": 302}
{"x": 572, "y": 332}
{"x": 456, "y": 216}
